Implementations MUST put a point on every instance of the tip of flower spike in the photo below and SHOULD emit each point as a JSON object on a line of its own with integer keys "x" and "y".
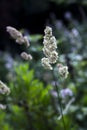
{"x": 48, "y": 31}
{"x": 8, "y": 28}
{"x": 14, "y": 33}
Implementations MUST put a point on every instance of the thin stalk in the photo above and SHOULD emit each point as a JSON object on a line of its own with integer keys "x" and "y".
{"x": 61, "y": 112}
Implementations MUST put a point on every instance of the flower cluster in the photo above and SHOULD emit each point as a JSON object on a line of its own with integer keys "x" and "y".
{"x": 49, "y": 49}
{"x": 51, "y": 55}
{"x": 26, "y": 56}
{"x": 63, "y": 70}
{"x": 20, "y": 39}
{"x": 17, "y": 35}
{"x": 3, "y": 88}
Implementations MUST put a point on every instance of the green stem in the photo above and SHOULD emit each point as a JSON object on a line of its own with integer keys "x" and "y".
{"x": 61, "y": 112}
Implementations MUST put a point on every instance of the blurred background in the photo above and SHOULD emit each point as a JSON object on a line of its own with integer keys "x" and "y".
{"x": 33, "y": 103}
{"x": 34, "y": 15}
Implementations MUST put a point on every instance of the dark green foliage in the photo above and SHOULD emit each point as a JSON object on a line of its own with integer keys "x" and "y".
{"x": 29, "y": 104}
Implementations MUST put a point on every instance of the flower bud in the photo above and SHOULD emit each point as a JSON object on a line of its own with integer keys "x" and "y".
{"x": 26, "y": 56}
{"x": 14, "y": 33}
{"x": 3, "y": 88}
{"x": 63, "y": 70}
{"x": 45, "y": 63}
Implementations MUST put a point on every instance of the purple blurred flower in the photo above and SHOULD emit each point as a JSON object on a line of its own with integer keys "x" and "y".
{"x": 68, "y": 15}
{"x": 75, "y": 32}
{"x": 66, "y": 92}
{"x": 9, "y": 61}
{"x": 59, "y": 24}
{"x": 53, "y": 93}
